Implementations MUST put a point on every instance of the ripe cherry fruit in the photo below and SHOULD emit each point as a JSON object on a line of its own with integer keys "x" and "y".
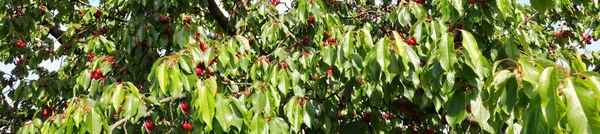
{"x": 184, "y": 107}
{"x": 186, "y": 126}
{"x": 149, "y": 126}
{"x": 387, "y": 115}
{"x": 44, "y": 112}
{"x": 300, "y": 102}
{"x": 20, "y": 43}
{"x": 311, "y": 19}
{"x": 468, "y": 109}
{"x": 305, "y": 40}
{"x": 274, "y": 2}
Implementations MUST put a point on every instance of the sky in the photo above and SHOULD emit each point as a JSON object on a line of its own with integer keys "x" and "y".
{"x": 53, "y": 66}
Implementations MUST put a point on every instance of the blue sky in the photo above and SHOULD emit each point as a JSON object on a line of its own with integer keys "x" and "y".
{"x": 53, "y": 66}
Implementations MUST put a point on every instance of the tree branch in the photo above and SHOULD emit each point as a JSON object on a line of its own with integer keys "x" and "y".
{"x": 116, "y": 124}
{"x": 113, "y": 126}
{"x": 221, "y": 15}
{"x": 597, "y": 69}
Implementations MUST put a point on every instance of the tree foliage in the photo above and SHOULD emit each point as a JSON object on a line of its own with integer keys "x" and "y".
{"x": 425, "y": 66}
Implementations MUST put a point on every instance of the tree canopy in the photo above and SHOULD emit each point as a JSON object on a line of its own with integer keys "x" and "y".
{"x": 359, "y": 66}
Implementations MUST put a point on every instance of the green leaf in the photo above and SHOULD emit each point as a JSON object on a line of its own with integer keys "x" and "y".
{"x": 381, "y": 51}
{"x": 542, "y": 5}
{"x": 500, "y": 78}
{"x": 311, "y": 111}
{"x": 552, "y": 105}
{"x": 184, "y": 63}
{"x": 582, "y": 111}
{"x": 347, "y": 44}
{"x": 446, "y": 50}
{"x": 511, "y": 49}
{"x": 418, "y": 11}
{"x": 176, "y": 83}
{"x": 284, "y": 84}
{"x": 459, "y": 6}
{"x": 455, "y": 108}
{"x": 404, "y": 17}
{"x": 505, "y": 7}
{"x": 162, "y": 77}
{"x": 470, "y": 44}
{"x": 117, "y": 96}
{"x": 206, "y": 100}
{"x": 481, "y": 113}
{"x": 278, "y": 126}
{"x": 293, "y": 112}
{"x": 532, "y": 122}
{"x": 225, "y": 114}
{"x": 367, "y": 39}
{"x": 406, "y": 52}
{"x": 95, "y": 121}
{"x": 131, "y": 106}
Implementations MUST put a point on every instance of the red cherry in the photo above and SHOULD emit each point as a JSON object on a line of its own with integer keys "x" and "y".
{"x": 149, "y": 126}
{"x": 117, "y": 113}
{"x": 305, "y": 40}
{"x": 44, "y": 112}
{"x": 311, "y": 19}
{"x": 267, "y": 61}
{"x": 93, "y": 75}
{"x": 274, "y": 2}
{"x": 300, "y": 102}
{"x": 460, "y": 26}
{"x": 365, "y": 117}
{"x": 196, "y": 35}
{"x": 42, "y": 75}
{"x": 468, "y": 109}
{"x": 211, "y": 73}
{"x": 187, "y": 126}
{"x": 250, "y": 41}
{"x": 330, "y": 70}
{"x": 63, "y": 115}
{"x": 472, "y": 1}
{"x": 99, "y": 73}
{"x": 184, "y": 107}
{"x": 340, "y": 117}
{"x": 387, "y": 115}
{"x": 285, "y": 65}
{"x": 20, "y": 43}
{"x": 212, "y": 61}
{"x": 315, "y": 77}
{"x": 341, "y": 105}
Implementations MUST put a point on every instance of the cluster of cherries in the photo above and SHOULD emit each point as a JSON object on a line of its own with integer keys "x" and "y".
{"x": 165, "y": 19}
{"x": 97, "y": 74}
{"x": 20, "y": 43}
{"x": 200, "y": 68}
{"x": 275, "y": 2}
{"x": 185, "y": 108}
{"x": 587, "y": 38}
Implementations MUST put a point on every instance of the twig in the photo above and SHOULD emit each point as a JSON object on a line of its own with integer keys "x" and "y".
{"x": 165, "y": 100}
{"x": 287, "y": 31}
{"x": 113, "y": 126}
{"x": 244, "y": 83}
